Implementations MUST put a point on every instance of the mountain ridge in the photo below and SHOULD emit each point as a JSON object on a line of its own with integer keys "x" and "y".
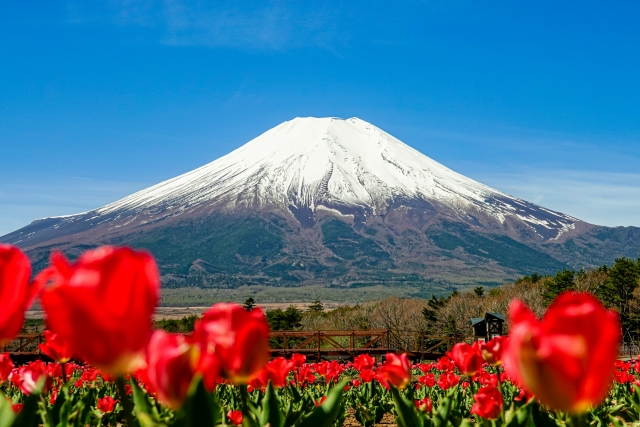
{"x": 399, "y": 213}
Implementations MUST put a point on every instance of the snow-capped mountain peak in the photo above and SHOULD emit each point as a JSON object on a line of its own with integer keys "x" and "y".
{"x": 308, "y": 165}
{"x": 346, "y": 165}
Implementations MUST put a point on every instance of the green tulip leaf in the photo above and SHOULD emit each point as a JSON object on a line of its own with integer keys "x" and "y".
{"x": 325, "y": 414}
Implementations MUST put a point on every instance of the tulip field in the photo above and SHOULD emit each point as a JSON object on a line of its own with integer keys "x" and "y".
{"x": 112, "y": 368}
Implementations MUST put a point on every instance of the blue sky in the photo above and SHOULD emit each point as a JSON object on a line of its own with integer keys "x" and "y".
{"x": 538, "y": 99}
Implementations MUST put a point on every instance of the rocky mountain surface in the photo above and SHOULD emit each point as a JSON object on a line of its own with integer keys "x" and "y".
{"x": 334, "y": 202}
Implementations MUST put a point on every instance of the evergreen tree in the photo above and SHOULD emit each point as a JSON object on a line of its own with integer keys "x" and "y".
{"x": 479, "y": 290}
{"x": 617, "y": 290}
{"x": 249, "y": 304}
{"x": 316, "y": 306}
{"x": 286, "y": 320}
{"x": 430, "y": 313}
{"x": 563, "y": 281}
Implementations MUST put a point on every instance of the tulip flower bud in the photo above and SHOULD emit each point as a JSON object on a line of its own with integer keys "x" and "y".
{"x": 568, "y": 358}
{"x": 492, "y": 350}
{"x": 16, "y": 294}
{"x": 487, "y": 403}
{"x": 467, "y": 357}
{"x": 6, "y": 366}
{"x": 363, "y": 362}
{"x": 277, "y": 370}
{"x": 102, "y": 306}
{"x": 396, "y": 371}
{"x": 170, "y": 367}
{"x": 235, "y": 417}
{"x": 56, "y": 348}
{"x": 424, "y": 405}
{"x": 107, "y": 404}
{"x": 234, "y": 341}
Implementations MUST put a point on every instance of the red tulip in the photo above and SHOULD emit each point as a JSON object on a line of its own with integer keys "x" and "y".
{"x": 298, "y": 359}
{"x": 487, "y": 403}
{"x": 523, "y": 396}
{"x": 486, "y": 378}
{"x": 278, "y": 370}
{"x": 566, "y": 360}
{"x": 428, "y": 380}
{"x": 27, "y": 377}
{"x": 53, "y": 397}
{"x": 492, "y": 350}
{"x": 233, "y": 342}
{"x": 6, "y": 366}
{"x": 56, "y": 348}
{"x": 445, "y": 364}
{"x": 424, "y": 405}
{"x": 447, "y": 380}
{"x": 106, "y": 404}
{"x": 467, "y": 357}
{"x": 396, "y": 371}
{"x": 16, "y": 294}
{"x": 363, "y": 362}
{"x": 260, "y": 381}
{"x": 235, "y": 417}
{"x": 102, "y": 305}
{"x": 170, "y": 367}
{"x": 304, "y": 375}
{"x": 367, "y": 375}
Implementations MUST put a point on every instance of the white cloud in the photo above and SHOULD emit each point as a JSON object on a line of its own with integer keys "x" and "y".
{"x": 274, "y": 25}
{"x": 603, "y": 198}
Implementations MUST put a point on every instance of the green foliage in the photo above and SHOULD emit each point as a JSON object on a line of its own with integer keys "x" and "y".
{"x": 430, "y": 312}
{"x": 502, "y": 249}
{"x": 316, "y": 306}
{"x": 563, "y": 281}
{"x": 224, "y": 243}
{"x": 249, "y": 304}
{"x": 494, "y": 292}
{"x": 617, "y": 290}
{"x": 184, "y": 324}
{"x": 347, "y": 244}
{"x": 479, "y": 291}
{"x": 286, "y": 320}
{"x": 534, "y": 278}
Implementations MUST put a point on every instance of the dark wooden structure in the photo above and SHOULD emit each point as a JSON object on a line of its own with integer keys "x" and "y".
{"x": 376, "y": 342}
{"x": 489, "y": 326}
{"x": 313, "y": 344}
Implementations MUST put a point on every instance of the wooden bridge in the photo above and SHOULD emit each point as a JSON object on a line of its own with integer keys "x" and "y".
{"x": 313, "y": 344}
{"x": 376, "y": 342}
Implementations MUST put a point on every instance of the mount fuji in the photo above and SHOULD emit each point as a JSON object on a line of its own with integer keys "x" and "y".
{"x": 334, "y": 202}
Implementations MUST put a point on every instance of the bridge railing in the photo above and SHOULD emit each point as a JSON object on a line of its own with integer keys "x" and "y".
{"x": 328, "y": 343}
{"x": 317, "y": 344}
{"x": 24, "y": 344}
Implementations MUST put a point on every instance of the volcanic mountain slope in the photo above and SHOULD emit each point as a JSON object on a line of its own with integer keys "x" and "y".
{"x": 332, "y": 201}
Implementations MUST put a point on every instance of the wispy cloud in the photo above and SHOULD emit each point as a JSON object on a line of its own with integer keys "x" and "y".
{"x": 273, "y": 25}
{"x": 603, "y": 198}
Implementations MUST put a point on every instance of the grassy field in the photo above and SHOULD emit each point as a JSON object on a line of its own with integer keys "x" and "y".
{"x": 189, "y": 297}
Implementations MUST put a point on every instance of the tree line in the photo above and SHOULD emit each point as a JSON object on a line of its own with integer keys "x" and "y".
{"x": 617, "y": 286}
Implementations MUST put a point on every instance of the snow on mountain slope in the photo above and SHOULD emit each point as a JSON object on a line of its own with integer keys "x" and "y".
{"x": 307, "y": 164}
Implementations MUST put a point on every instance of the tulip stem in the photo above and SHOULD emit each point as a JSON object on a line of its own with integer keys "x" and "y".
{"x": 127, "y": 404}
{"x": 244, "y": 398}
{"x": 502, "y": 417}
{"x": 64, "y": 373}
{"x": 578, "y": 420}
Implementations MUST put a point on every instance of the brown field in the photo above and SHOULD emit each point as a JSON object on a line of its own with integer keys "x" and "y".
{"x": 179, "y": 312}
